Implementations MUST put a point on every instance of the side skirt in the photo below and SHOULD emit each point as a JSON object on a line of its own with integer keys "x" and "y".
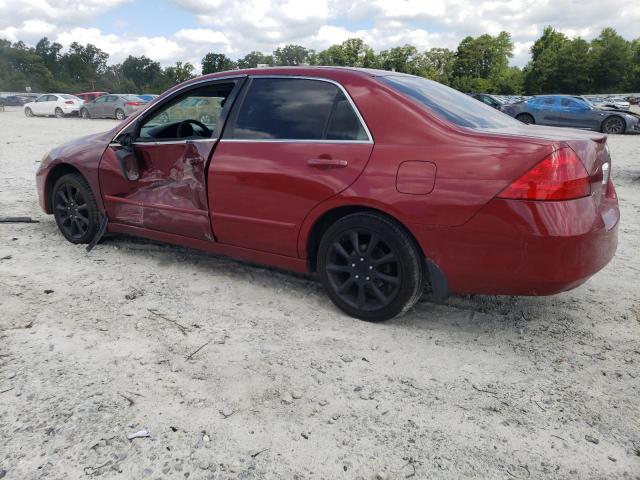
{"x": 264, "y": 258}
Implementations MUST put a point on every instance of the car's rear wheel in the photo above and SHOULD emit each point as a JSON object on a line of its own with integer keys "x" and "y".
{"x": 75, "y": 208}
{"x": 119, "y": 114}
{"x": 370, "y": 267}
{"x": 614, "y": 125}
{"x": 28, "y": 112}
{"x": 84, "y": 113}
{"x": 526, "y": 118}
{"x": 58, "y": 112}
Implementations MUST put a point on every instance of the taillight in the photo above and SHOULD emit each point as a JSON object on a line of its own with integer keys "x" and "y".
{"x": 560, "y": 176}
{"x": 133, "y": 104}
{"x": 69, "y": 102}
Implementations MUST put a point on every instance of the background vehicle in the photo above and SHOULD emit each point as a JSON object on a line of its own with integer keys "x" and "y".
{"x": 53, "y": 104}
{"x": 15, "y": 100}
{"x": 118, "y": 106}
{"x": 148, "y": 97}
{"x": 205, "y": 110}
{"x": 333, "y": 171}
{"x": 633, "y": 100}
{"x": 617, "y": 102}
{"x": 491, "y": 100}
{"x": 573, "y": 111}
{"x": 89, "y": 96}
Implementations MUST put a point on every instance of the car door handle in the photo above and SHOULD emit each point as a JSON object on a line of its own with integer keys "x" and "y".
{"x": 327, "y": 162}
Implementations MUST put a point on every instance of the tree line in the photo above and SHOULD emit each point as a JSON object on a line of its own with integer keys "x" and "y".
{"x": 559, "y": 64}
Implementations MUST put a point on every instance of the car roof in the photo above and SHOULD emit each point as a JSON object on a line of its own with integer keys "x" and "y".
{"x": 307, "y": 71}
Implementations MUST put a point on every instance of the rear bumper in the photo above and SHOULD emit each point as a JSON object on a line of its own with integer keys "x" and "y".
{"x": 514, "y": 247}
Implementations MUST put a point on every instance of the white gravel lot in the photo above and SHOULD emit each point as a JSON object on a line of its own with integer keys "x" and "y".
{"x": 286, "y": 386}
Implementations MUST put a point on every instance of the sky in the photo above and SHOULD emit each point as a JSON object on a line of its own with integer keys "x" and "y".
{"x": 185, "y": 30}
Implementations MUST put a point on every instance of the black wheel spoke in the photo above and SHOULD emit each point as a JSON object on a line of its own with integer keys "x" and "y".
{"x": 355, "y": 239}
{"x": 337, "y": 246}
{"x": 333, "y": 267}
{"x": 387, "y": 278}
{"x": 378, "y": 293}
{"x": 346, "y": 285}
{"x": 373, "y": 243}
{"x": 362, "y": 294}
{"x": 388, "y": 258}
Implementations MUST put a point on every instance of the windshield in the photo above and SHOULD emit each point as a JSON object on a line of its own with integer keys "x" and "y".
{"x": 450, "y": 104}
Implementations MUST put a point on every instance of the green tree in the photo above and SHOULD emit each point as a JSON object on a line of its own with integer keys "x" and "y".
{"x": 610, "y": 59}
{"x": 252, "y": 59}
{"x": 353, "y": 52}
{"x": 179, "y": 73}
{"x": 83, "y": 65}
{"x": 291, "y": 55}
{"x": 216, "y": 62}
{"x": 480, "y": 61}
{"x": 399, "y": 59}
{"x": 436, "y": 64}
{"x": 145, "y": 74}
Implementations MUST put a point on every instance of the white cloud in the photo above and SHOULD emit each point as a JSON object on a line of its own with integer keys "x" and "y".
{"x": 236, "y": 27}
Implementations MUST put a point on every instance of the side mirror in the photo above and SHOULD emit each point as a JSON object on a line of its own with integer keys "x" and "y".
{"x": 127, "y": 158}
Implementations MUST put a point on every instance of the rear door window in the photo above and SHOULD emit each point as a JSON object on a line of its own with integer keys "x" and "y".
{"x": 295, "y": 109}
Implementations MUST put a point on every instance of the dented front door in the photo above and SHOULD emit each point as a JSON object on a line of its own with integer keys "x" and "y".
{"x": 170, "y": 195}
{"x": 167, "y": 150}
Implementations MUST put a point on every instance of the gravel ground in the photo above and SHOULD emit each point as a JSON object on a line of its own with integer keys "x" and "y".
{"x": 238, "y": 371}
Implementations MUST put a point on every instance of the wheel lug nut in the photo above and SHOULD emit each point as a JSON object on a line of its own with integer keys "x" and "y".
{"x": 362, "y": 259}
{"x": 357, "y": 276}
{"x": 353, "y": 265}
{"x": 370, "y": 267}
{"x": 368, "y": 278}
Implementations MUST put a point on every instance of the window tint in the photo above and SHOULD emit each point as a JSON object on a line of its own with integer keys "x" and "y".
{"x": 568, "y": 102}
{"x": 548, "y": 100}
{"x": 284, "y": 109}
{"x": 449, "y": 104}
{"x": 111, "y": 98}
{"x": 344, "y": 123}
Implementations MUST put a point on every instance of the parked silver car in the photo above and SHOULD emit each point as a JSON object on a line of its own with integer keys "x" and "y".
{"x": 118, "y": 106}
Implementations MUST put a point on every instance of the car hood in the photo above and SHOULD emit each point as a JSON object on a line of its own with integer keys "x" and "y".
{"x": 83, "y": 149}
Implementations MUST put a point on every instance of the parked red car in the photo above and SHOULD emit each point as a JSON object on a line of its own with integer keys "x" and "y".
{"x": 380, "y": 182}
{"x": 90, "y": 96}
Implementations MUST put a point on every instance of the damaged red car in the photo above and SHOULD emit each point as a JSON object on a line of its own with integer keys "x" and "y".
{"x": 379, "y": 182}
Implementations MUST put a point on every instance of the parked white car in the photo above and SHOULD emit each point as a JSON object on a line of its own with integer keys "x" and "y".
{"x": 53, "y": 104}
{"x": 617, "y": 102}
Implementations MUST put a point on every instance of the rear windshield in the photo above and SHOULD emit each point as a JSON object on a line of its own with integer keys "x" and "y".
{"x": 131, "y": 98}
{"x": 69, "y": 97}
{"x": 449, "y": 104}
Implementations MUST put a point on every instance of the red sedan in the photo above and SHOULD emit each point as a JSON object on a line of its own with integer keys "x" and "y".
{"x": 380, "y": 182}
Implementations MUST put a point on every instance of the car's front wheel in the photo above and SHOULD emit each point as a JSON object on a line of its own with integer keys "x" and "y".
{"x": 28, "y": 112}
{"x": 59, "y": 113}
{"x": 526, "y": 118}
{"x": 75, "y": 208}
{"x": 613, "y": 125}
{"x": 84, "y": 113}
{"x": 370, "y": 267}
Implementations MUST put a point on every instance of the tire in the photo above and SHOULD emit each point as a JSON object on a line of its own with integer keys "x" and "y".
{"x": 28, "y": 112}
{"x": 120, "y": 114}
{"x": 59, "y": 113}
{"x": 84, "y": 113}
{"x": 614, "y": 125}
{"x": 75, "y": 209}
{"x": 374, "y": 281}
{"x": 526, "y": 118}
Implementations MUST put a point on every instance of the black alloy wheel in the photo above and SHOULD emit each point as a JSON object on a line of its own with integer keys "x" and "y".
{"x": 370, "y": 267}
{"x": 526, "y": 118}
{"x": 614, "y": 125}
{"x": 75, "y": 209}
